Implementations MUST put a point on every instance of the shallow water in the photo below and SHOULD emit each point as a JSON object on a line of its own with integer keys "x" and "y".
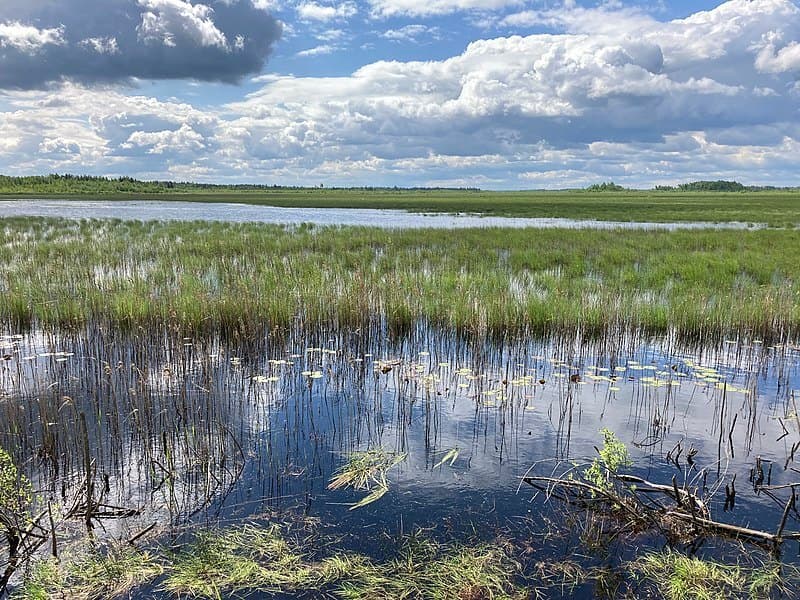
{"x": 198, "y": 432}
{"x": 245, "y": 213}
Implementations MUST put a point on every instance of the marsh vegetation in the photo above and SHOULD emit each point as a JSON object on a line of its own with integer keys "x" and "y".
{"x": 216, "y": 410}
{"x": 226, "y": 278}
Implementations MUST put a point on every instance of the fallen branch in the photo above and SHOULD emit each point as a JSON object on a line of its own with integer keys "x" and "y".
{"x": 612, "y": 500}
{"x": 680, "y": 495}
{"x": 736, "y": 531}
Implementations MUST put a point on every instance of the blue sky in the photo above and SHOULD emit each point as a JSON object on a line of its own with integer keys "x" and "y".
{"x": 498, "y": 94}
{"x": 355, "y": 41}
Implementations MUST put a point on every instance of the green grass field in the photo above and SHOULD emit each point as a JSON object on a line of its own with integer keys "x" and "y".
{"x": 227, "y": 277}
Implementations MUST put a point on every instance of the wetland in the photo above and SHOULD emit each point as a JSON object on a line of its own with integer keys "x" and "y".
{"x": 250, "y": 410}
{"x": 385, "y": 218}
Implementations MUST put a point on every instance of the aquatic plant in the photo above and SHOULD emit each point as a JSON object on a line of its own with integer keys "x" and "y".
{"x": 234, "y": 279}
{"x": 232, "y": 560}
{"x": 671, "y": 575}
{"x": 426, "y": 570}
{"x": 246, "y": 559}
{"x": 366, "y": 471}
{"x": 677, "y": 576}
{"x": 450, "y": 456}
{"x": 260, "y": 559}
{"x": 90, "y": 574}
{"x": 680, "y": 577}
{"x": 611, "y": 458}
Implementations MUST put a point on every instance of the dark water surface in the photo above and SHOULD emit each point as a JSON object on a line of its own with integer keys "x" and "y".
{"x": 152, "y": 210}
{"x": 204, "y": 432}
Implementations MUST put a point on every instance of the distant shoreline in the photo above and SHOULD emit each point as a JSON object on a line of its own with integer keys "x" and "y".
{"x": 775, "y": 208}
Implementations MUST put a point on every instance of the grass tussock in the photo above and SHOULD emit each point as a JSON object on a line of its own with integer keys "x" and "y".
{"x": 425, "y": 570}
{"x": 90, "y": 575}
{"x": 679, "y": 577}
{"x": 248, "y": 559}
{"x": 252, "y": 558}
{"x": 683, "y": 577}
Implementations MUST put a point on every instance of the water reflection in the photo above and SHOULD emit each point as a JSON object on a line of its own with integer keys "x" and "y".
{"x": 187, "y": 430}
{"x": 245, "y": 213}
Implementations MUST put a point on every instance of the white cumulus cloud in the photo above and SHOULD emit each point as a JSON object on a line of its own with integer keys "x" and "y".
{"x": 101, "y": 45}
{"x": 776, "y": 56}
{"x": 164, "y": 21}
{"x": 427, "y": 8}
{"x": 27, "y": 38}
{"x": 412, "y": 33}
{"x": 313, "y": 11}
{"x": 181, "y": 140}
{"x": 318, "y": 50}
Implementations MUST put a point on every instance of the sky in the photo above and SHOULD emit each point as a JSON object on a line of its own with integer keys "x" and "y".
{"x": 496, "y": 94}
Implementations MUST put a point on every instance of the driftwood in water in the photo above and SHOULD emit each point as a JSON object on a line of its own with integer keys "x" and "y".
{"x": 631, "y": 499}
{"x": 682, "y": 496}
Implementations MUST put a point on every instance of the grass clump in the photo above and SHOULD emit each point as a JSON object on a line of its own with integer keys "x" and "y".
{"x": 366, "y": 471}
{"x": 773, "y": 578}
{"x": 93, "y": 575}
{"x": 250, "y": 558}
{"x": 255, "y": 559}
{"x": 682, "y": 577}
{"x": 247, "y": 558}
{"x": 679, "y": 577}
{"x": 261, "y": 559}
{"x": 425, "y": 570}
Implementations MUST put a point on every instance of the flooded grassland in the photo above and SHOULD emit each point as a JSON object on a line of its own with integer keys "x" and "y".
{"x": 237, "y": 278}
{"x": 237, "y": 410}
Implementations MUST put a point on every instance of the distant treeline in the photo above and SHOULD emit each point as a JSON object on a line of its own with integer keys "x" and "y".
{"x": 609, "y": 186}
{"x": 717, "y": 186}
{"x": 88, "y": 184}
{"x": 693, "y": 186}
